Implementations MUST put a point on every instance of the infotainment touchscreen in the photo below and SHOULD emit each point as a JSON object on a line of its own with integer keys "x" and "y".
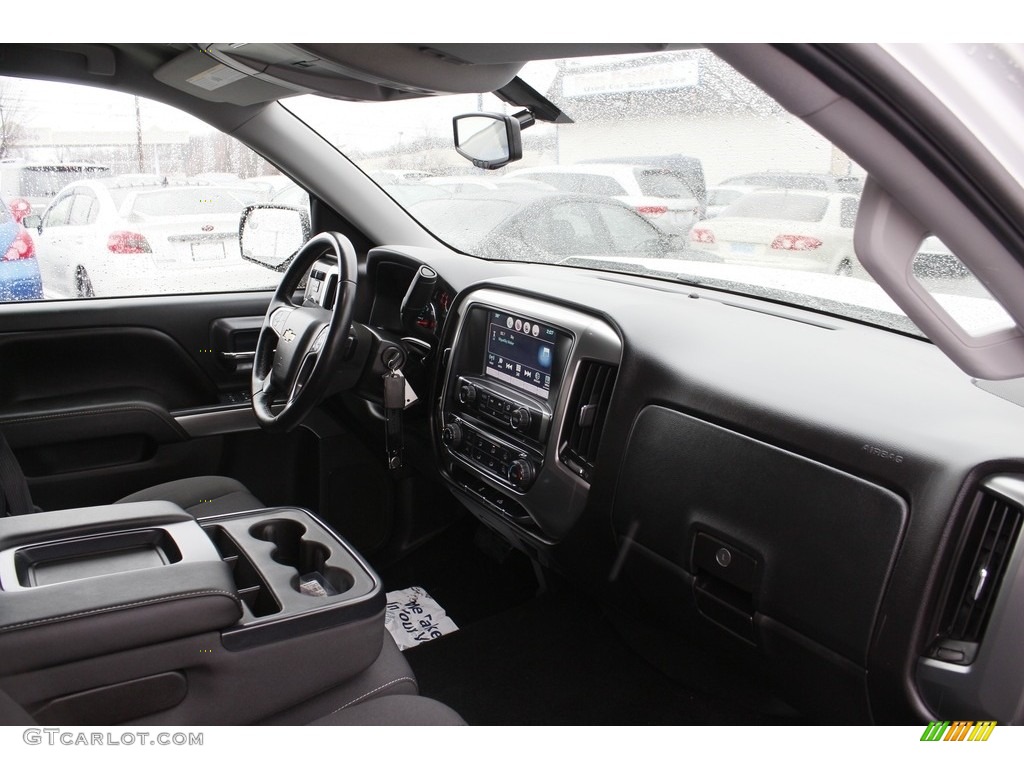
{"x": 521, "y": 352}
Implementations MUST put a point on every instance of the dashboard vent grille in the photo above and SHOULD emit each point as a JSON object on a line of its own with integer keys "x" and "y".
{"x": 588, "y": 408}
{"x": 983, "y": 561}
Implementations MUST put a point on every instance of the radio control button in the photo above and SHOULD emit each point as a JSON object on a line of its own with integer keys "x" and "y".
{"x": 467, "y": 394}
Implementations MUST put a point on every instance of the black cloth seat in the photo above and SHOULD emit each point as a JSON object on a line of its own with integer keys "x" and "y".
{"x": 399, "y": 709}
{"x": 201, "y": 496}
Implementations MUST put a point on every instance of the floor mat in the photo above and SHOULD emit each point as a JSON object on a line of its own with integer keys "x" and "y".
{"x": 413, "y": 617}
{"x": 555, "y": 661}
{"x": 468, "y": 581}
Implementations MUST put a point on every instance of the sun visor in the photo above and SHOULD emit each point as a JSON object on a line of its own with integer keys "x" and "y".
{"x": 199, "y": 75}
{"x": 252, "y": 73}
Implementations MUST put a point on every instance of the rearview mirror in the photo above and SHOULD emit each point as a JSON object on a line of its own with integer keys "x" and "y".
{"x": 491, "y": 140}
{"x": 270, "y": 234}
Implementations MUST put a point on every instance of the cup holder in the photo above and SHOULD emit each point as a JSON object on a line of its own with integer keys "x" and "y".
{"x": 286, "y": 535}
{"x": 309, "y": 558}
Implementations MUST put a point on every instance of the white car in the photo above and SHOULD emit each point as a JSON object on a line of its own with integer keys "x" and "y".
{"x": 399, "y": 176}
{"x": 657, "y": 194}
{"x": 458, "y": 184}
{"x": 720, "y": 198}
{"x": 793, "y": 229}
{"x": 100, "y": 238}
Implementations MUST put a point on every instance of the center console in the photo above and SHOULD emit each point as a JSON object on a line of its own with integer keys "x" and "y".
{"x": 121, "y": 613}
{"x": 514, "y": 395}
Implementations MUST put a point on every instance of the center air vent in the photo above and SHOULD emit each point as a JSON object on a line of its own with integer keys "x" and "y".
{"x": 987, "y": 546}
{"x": 585, "y": 416}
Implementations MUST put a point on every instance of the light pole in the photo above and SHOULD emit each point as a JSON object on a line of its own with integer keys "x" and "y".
{"x": 138, "y": 135}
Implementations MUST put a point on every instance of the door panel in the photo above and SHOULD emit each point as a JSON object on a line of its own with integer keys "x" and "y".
{"x": 99, "y": 397}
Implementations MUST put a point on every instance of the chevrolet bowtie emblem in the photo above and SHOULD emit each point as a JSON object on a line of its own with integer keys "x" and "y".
{"x": 288, "y": 335}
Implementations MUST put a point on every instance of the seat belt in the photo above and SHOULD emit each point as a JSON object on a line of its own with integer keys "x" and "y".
{"x": 15, "y": 498}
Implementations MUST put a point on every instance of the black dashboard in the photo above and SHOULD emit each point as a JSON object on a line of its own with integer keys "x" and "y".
{"x": 836, "y": 502}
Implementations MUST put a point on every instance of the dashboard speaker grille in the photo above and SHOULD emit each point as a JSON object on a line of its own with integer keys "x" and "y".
{"x": 995, "y": 523}
{"x": 585, "y": 418}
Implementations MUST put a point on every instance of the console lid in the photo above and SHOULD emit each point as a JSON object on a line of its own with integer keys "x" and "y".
{"x": 83, "y": 582}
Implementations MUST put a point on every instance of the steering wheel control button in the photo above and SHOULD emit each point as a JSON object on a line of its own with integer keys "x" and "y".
{"x": 279, "y": 320}
{"x": 318, "y": 342}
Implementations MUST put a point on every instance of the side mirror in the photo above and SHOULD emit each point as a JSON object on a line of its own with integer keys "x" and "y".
{"x": 270, "y": 234}
{"x": 33, "y": 221}
{"x": 491, "y": 140}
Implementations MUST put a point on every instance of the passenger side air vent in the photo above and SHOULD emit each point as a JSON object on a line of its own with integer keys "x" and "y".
{"x": 988, "y": 544}
{"x": 585, "y": 416}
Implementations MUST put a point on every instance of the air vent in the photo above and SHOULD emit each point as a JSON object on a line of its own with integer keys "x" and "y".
{"x": 995, "y": 523}
{"x": 585, "y": 417}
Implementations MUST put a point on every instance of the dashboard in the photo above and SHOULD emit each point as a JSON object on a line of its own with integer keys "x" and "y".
{"x": 835, "y": 503}
{"x": 525, "y": 395}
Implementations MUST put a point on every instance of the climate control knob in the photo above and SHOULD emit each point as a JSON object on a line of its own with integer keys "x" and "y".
{"x": 520, "y": 473}
{"x": 520, "y": 419}
{"x": 452, "y": 436}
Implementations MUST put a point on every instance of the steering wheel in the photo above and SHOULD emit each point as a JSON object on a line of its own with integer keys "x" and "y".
{"x": 300, "y": 345}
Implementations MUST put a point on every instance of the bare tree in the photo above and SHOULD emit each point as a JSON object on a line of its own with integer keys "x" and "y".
{"x": 13, "y": 118}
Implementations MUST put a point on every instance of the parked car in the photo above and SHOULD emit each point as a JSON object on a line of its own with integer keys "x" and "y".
{"x": 645, "y": 492}
{"x": 460, "y": 184}
{"x": 19, "y": 207}
{"x": 720, "y": 198}
{"x": 406, "y": 194}
{"x": 809, "y": 231}
{"x": 37, "y": 183}
{"x": 546, "y": 226}
{"x": 685, "y": 168}
{"x": 457, "y": 185}
{"x": 657, "y": 194}
{"x": 104, "y": 238}
{"x": 393, "y": 176}
{"x": 410, "y": 193}
{"x": 821, "y": 182}
{"x": 19, "y": 268}
{"x": 269, "y": 186}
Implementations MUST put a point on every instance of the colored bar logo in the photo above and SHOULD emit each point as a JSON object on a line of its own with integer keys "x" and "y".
{"x": 959, "y": 730}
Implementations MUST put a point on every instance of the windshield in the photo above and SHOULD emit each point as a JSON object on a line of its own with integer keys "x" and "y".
{"x": 650, "y": 133}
